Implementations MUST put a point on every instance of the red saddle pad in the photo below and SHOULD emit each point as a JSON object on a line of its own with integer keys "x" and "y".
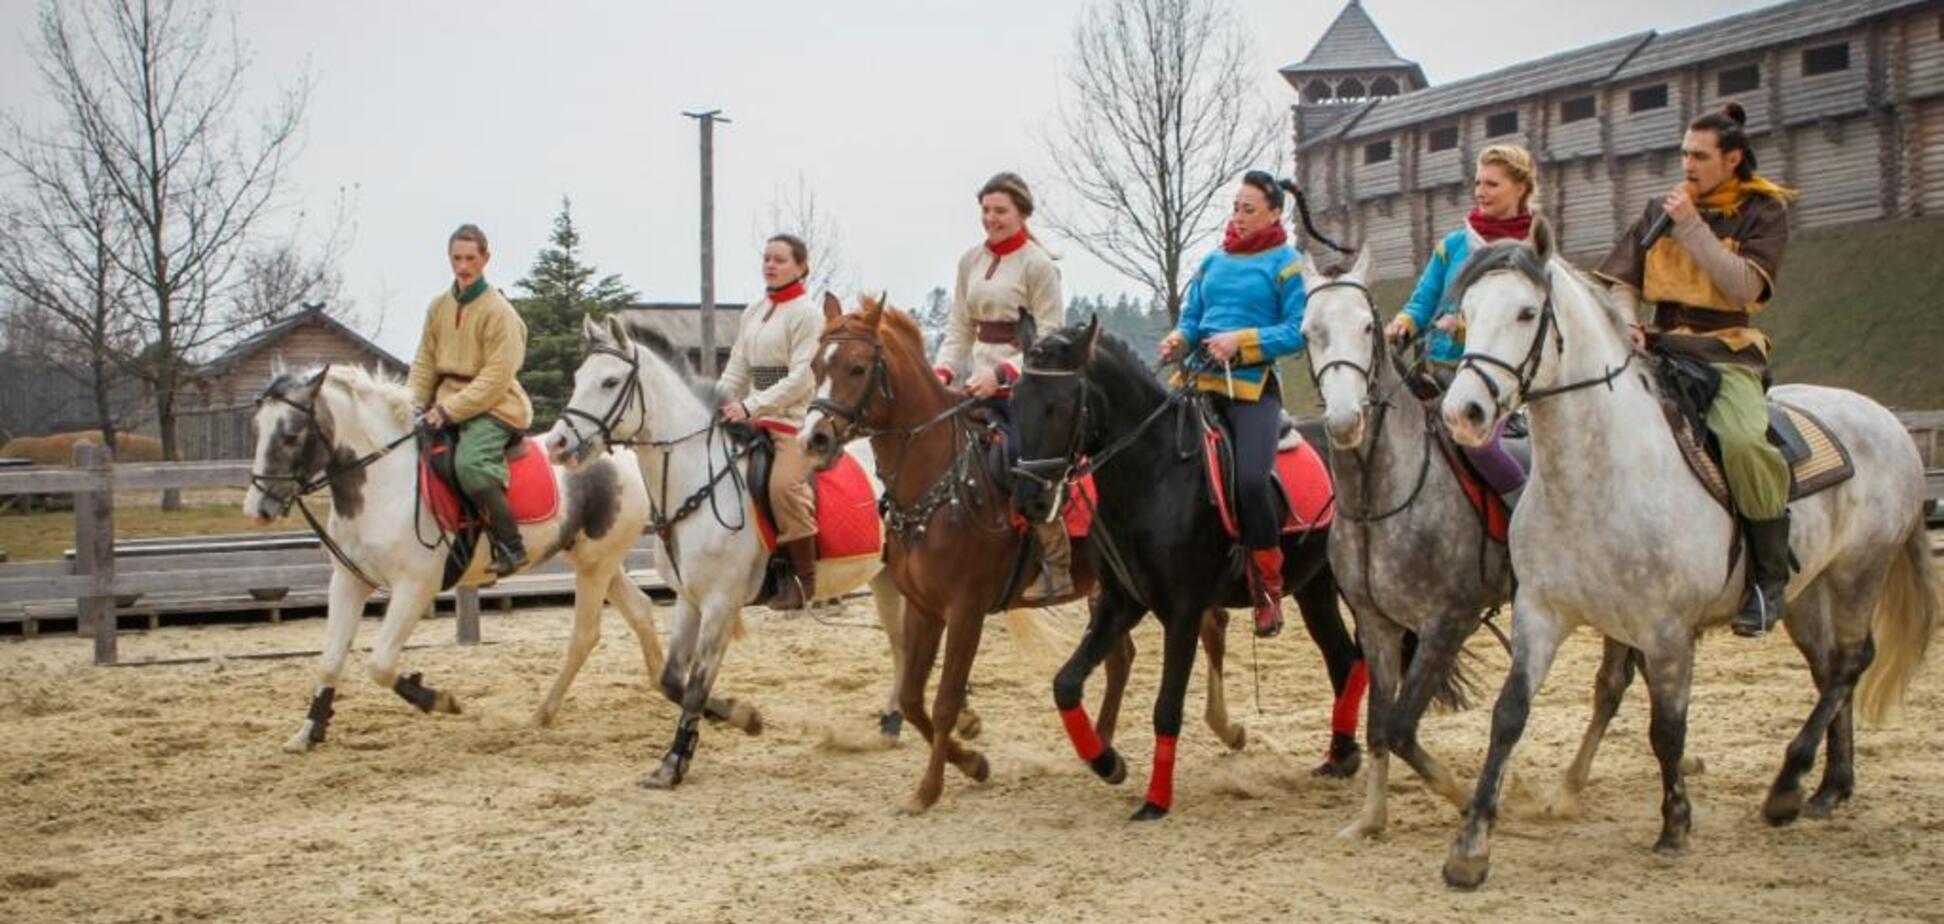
{"x": 1306, "y": 486}
{"x": 1078, "y": 512}
{"x": 531, "y": 491}
{"x": 847, "y": 514}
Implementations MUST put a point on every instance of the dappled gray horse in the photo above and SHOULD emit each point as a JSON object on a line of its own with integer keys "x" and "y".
{"x": 1615, "y": 533}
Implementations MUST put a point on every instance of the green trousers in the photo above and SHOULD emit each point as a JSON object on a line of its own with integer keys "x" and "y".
{"x": 480, "y": 461}
{"x": 1757, "y": 474}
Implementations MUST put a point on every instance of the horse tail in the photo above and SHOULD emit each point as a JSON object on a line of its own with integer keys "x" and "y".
{"x": 1034, "y": 637}
{"x": 1458, "y": 688}
{"x": 1906, "y": 617}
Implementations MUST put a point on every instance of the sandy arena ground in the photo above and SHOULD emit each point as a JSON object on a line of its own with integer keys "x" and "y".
{"x": 160, "y": 794}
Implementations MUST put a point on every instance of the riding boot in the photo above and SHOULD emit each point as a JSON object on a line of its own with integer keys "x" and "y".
{"x": 1265, "y": 567}
{"x": 1768, "y": 576}
{"x": 1056, "y": 565}
{"x": 509, "y": 552}
{"x": 800, "y": 586}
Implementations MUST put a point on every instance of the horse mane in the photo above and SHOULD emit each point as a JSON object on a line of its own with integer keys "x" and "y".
{"x": 706, "y": 390}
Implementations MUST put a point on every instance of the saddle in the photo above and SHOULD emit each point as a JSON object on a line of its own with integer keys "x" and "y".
{"x": 1493, "y": 512}
{"x": 1305, "y": 496}
{"x": 531, "y": 493}
{"x": 1817, "y": 459}
{"x": 848, "y": 526}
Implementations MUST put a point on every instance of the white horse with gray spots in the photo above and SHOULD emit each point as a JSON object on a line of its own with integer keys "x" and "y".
{"x": 1614, "y": 532}
{"x": 643, "y": 394}
{"x": 345, "y": 430}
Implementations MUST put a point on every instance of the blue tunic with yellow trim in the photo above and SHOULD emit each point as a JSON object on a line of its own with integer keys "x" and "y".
{"x": 1258, "y": 295}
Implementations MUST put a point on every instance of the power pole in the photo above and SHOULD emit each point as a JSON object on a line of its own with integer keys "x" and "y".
{"x": 707, "y": 122}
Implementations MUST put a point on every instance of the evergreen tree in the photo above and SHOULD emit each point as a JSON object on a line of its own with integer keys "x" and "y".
{"x": 559, "y": 291}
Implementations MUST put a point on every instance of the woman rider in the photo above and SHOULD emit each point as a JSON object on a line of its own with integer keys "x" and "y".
{"x": 1505, "y": 182}
{"x": 769, "y": 381}
{"x": 1244, "y": 311}
{"x": 1010, "y": 270}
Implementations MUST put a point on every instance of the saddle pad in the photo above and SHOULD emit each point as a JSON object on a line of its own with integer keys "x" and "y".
{"x": 848, "y": 525}
{"x": 1309, "y": 497}
{"x": 1825, "y": 464}
{"x": 1078, "y": 511}
{"x": 1485, "y": 502}
{"x": 531, "y": 491}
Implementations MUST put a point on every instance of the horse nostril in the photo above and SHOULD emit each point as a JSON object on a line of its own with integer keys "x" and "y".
{"x": 1474, "y": 414}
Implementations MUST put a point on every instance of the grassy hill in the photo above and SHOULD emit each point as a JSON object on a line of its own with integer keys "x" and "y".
{"x": 1859, "y": 306}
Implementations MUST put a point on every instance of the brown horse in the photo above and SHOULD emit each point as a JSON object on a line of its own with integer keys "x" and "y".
{"x": 953, "y": 549}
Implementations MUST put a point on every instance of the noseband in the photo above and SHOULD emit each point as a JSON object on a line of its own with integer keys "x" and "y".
{"x": 631, "y": 396}
{"x": 1528, "y": 368}
{"x": 876, "y": 382}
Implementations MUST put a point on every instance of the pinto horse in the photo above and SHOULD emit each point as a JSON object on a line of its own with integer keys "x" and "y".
{"x": 1085, "y": 396}
{"x": 952, "y": 548}
{"x": 344, "y": 429}
{"x": 1613, "y": 532}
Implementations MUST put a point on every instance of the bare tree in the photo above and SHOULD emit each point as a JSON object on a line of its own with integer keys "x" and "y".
{"x": 793, "y": 210}
{"x": 1160, "y": 118}
{"x": 150, "y": 90}
{"x": 284, "y": 272}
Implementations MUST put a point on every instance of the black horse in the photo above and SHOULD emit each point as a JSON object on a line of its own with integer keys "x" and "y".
{"x": 1159, "y": 537}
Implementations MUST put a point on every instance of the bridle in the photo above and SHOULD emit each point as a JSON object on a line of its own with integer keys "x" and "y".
{"x": 849, "y": 425}
{"x": 1378, "y": 406}
{"x": 632, "y": 396}
{"x": 1527, "y": 368}
{"x": 876, "y": 383}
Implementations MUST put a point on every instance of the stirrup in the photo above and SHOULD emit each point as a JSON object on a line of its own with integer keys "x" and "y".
{"x": 1764, "y": 622}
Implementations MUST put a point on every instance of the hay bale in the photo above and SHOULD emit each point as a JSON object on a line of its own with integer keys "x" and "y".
{"x": 58, "y": 448}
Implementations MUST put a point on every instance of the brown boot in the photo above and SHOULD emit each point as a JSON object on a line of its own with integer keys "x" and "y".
{"x": 1266, "y": 566}
{"x": 799, "y": 587}
{"x": 509, "y": 552}
{"x": 1056, "y": 565}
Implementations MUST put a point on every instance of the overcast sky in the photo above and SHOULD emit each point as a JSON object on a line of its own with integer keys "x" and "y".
{"x": 893, "y": 111}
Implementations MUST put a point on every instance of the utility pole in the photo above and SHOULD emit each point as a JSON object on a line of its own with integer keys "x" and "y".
{"x": 707, "y": 121}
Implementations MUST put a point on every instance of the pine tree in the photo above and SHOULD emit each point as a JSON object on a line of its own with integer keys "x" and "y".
{"x": 559, "y": 292}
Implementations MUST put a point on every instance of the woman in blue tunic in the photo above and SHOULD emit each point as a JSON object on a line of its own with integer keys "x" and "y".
{"x": 1244, "y": 311}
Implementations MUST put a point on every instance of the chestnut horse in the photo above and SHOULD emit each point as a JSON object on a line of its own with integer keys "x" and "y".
{"x": 953, "y": 549}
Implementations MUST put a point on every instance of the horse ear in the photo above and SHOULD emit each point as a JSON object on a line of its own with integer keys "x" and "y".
{"x": 1026, "y": 332}
{"x": 591, "y": 330}
{"x": 277, "y": 367}
{"x": 316, "y": 383}
{"x": 872, "y": 312}
{"x": 618, "y": 331}
{"x": 1542, "y": 239}
{"x": 1360, "y": 271}
{"x": 832, "y": 306}
{"x": 1090, "y": 337}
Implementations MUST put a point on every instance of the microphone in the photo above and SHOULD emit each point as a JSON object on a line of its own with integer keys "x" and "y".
{"x": 1657, "y": 230}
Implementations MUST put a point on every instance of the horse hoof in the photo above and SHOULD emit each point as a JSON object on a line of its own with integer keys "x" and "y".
{"x": 891, "y": 725}
{"x": 1149, "y": 812}
{"x": 1671, "y": 845}
{"x": 446, "y": 703}
{"x": 1116, "y": 772}
{"x": 1466, "y": 873}
{"x": 299, "y": 743}
{"x": 1339, "y": 768}
{"x": 543, "y": 718}
{"x": 916, "y": 805}
{"x": 1781, "y": 808}
{"x": 969, "y": 725}
{"x": 745, "y": 716}
{"x": 664, "y": 777}
{"x": 1564, "y": 806}
{"x": 1360, "y": 830}
{"x": 1693, "y": 766}
{"x": 977, "y": 768}
{"x": 1237, "y": 739}
{"x": 1823, "y": 804}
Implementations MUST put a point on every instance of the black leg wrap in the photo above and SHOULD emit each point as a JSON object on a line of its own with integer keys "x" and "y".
{"x": 410, "y": 689}
{"x": 320, "y": 713}
{"x": 686, "y": 735}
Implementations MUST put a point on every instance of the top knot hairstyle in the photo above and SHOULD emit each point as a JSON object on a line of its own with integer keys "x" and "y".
{"x": 1273, "y": 189}
{"x": 1267, "y": 184}
{"x": 1013, "y": 187}
{"x": 1730, "y": 127}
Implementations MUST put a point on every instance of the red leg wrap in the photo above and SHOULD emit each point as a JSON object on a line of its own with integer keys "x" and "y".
{"x": 1161, "y": 786}
{"x": 1080, "y": 730}
{"x": 1349, "y": 703}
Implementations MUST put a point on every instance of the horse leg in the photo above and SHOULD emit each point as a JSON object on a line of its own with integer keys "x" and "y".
{"x": 1214, "y": 640}
{"x": 1109, "y": 618}
{"x": 1535, "y": 642}
{"x": 588, "y": 595}
{"x": 1349, "y": 677}
{"x": 1119, "y": 664}
{"x": 1610, "y": 683}
{"x": 1383, "y": 647}
{"x": 890, "y": 610}
{"x": 1670, "y": 671}
{"x": 409, "y": 601}
{"x": 346, "y": 607}
{"x": 963, "y": 628}
{"x": 639, "y": 612}
{"x": 712, "y": 642}
{"x": 1837, "y": 665}
{"x": 1177, "y": 662}
{"x": 1439, "y": 644}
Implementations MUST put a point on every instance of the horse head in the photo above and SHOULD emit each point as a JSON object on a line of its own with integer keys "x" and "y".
{"x": 1050, "y": 411}
{"x": 608, "y": 404}
{"x": 1346, "y": 348}
{"x": 293, "y": 443}
{"x": 1506, "y": 296}
{"x": 854, "y": 361}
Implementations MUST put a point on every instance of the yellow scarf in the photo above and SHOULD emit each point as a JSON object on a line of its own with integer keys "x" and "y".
{"x": 1726, "y": 200}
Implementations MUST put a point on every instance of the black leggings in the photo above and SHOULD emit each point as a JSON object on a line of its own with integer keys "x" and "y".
{"x": 1256, "y": 426}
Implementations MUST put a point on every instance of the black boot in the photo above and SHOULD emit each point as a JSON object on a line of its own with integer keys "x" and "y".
{"x": 800, "y": 586}
{"x": 1768, "y": 576}
{"x": 509, "y": 552}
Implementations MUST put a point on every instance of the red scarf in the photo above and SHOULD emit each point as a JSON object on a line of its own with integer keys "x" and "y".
{"x": 781, "y": 295}
{"x": 1011, "y": 244}
{"x": 1234, "y": 241}
{"x": 1518, "y": 227}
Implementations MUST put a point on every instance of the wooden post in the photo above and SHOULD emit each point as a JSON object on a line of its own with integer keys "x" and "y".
{"x": 707, "y": 122}
{"x": 94, "y": 551}
{"x": 465, "y": 605}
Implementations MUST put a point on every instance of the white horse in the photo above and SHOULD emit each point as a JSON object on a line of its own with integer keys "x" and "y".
{"x": 348, "y": 430}
{"x": 1614, "y": 532}
{"x": 713, "y": 556}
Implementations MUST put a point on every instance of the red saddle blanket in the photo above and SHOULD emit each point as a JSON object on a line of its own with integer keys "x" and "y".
{"x": 531, "y": 491}
{"x": 1078, "y": 511}
{"x": 847, "y": 514}
{"x": 1490, "y": 507}
{"x": 1309, "y": 498}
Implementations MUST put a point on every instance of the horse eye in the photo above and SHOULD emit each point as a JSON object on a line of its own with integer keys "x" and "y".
{"x": 857, "y": 369}
{"x": 1370, "y": 327}
{"x": 610, "y": 382}
{"x": 1528, "y": 313}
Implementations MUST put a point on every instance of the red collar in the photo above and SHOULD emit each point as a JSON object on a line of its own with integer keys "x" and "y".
{"x": 1011, "y": 244}
{"x": 783, "y": 294}
{"x": 1233, "y": 240}
{"x": 1518, "y": 227}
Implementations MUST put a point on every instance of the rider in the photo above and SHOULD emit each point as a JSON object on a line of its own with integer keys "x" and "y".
{"x": 1009, "y": 271}
{"x": 769, "y": 381}
{"x": 1504, "y": 184}
{"x": 466, "y": 374}
{"x": 1245, "y": 311}
{"x": 1704, "y": 281}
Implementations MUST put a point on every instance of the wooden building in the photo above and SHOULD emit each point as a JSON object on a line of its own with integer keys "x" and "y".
{"x": 1845, "y": 102}
{"x": 681, "y": 323}
{"x": 308, "y": 338}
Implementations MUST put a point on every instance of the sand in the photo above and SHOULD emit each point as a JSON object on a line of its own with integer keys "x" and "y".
{"x": 159, "y": 793}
